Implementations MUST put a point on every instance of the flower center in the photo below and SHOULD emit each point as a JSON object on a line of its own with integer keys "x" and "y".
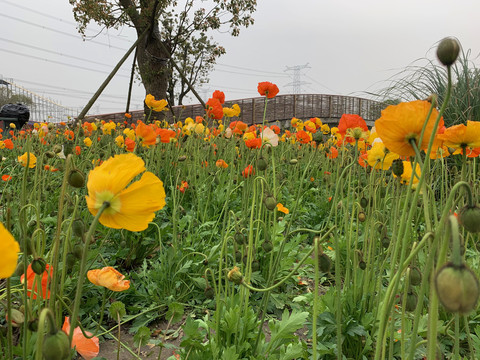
{"x": 107, "y": 196}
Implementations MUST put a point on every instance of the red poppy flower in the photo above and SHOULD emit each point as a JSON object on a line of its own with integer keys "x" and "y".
{"x": 332, "y": 153}
{"x": 6, "y": 177}
{"x": 351, "y": 127}
{"x": 267, "y": 89}
{"x": 182, "y": 187}
{"x": 219, "y": 95}
{"x": 129, "y": 144}
{"x": 78, "y": 150}
{"x": 303, "y": 137}
{"x": 275, "y": 129}
{"x": 45, "y": 280}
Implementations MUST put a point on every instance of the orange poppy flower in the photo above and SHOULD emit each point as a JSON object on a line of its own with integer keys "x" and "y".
{"x": 129, "y": 144}
{"x": 6, "y": 177}
{"x": 267, "y": 89}
{"x": 78, "y": 150}
{"x": 8, "y": 144}
{"x": 275, "y": 129}
{"x": 332, "y": 153}
{"x": 108, "y": 277}
{"x": 248, "y": 171}
{"x": 220, "y": 163}
{"x": 182, "y": 187}
{"x": 214, "y": 109}
{"x": 128, "y": 115}
{"x": 166, "y": 135}
{"x": 45, "y": 281}
{"x": 146, "y": 134}
{"x": 462, "y": 136}
{"x": 219, "y": 95}
{"x": 282, "y": 208}
{"x": 352, "y": 127}
{"x": 303, "y": 137}
{"x": 400, "y": 124}
{"x": 89, "y": 347}
{"x": 254, "y": 143}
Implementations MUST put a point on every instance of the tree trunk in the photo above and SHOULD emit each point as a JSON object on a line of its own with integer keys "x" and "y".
{"x": 152, "y": 59}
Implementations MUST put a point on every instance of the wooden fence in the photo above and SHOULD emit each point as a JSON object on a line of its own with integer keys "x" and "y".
{"x": 280, "y": 109}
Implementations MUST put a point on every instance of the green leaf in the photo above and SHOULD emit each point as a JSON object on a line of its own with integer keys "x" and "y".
{"x": 117, "y": 309}
{"x": 174, "y": 313}
{"x": 142, "y": 336}
{"x": 282, "y": 331}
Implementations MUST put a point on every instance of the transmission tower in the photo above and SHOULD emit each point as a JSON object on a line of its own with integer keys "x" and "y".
{"x": 296, "y": 83}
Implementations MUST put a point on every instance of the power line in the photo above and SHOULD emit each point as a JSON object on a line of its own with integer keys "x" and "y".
{"x": 57, "y": 53}
{"x": 58, "y": 19}
{"x": 240, "y": 73}
{"x": 59, "y": 31}
{"x": 249, "y": 69}
{"x": 59, "y": 62}
{"x": 318, "y": 83}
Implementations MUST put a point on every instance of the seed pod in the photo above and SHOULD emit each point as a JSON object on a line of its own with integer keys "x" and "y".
{"x": 411, "y": 302}
{"x": 448, "y": 50}
{"x": 270, "y": 202}
{"x": 324, "y": 263}
{"x": 457, "y": 288}
{"x": 76, "y": 178}
{"x": 397, "y": 167}
{"x": 293, "y": 161}
{"x": 470, "y": 218}
{"x": 56, "y": 346}
{"x": 38, "y": 266}
{"x": 261, "y": 164}
{"x": 415, "y": 276}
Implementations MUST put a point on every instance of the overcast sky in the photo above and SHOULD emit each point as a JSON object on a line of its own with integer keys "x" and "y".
{"x": 350, "y": 47}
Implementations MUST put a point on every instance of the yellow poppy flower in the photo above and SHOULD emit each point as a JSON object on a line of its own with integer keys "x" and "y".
{"x": 407, "y": 174}
{"x": 108, "y": 277}
{"x": 462, "y": 136}
{"x": 379, "y": 158}
{"x": 155, "y": 105}
{"x": 9, "y": 249}
{"x": 87, "y": 141}
{"x": 132, "y": 207}
{"x": 23, "y": 160}
{"x": 400, "y": 124}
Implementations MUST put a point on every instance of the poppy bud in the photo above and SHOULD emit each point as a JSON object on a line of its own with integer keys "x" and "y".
{"x": 362, "y": 265}
{"x": 33, "y": 325}
{"x": 385, "y": 242}
{"x": 415, "y": 276}
{"x": 267, "y": 246}
{"x": 38, "y": 266}
{"x": 56, "y": 346}
{"x": 17, "y": 318}
{"x": 457, "y": 288}
{"x": 78, "y": 227}
{"x": 262, "y": 164}
{"x": 78, "y": 251}
{"x": 205, "y": 262}
{"x": 448, "y": 50}
{"x": 209, "y": 292}
{"x": 293, "y": 161}
{"x": 397, "y": 167}
{"x": 238, "y": 256}
{"x": 182, "y": 158}
{"x": 239, "y": 238}
{"x": 70, "y": 261}
{"x": 255, "y": 265}
{"x": 363, "y": 202}
{"x": 270, "y": 202}
{"x": 19, "y": 269}
{"x": 235, "y": 276}
{"x": 411, "y": 302}
{"x": 470, "y": 218}
{"x": 68, "y": 148}
{"x": 324, "y": 263}
{"x": 57, "y": 149}
{"x": 361, "y": 216}
{"x": 50, "y": 154}
{"x": 76, "y": 178}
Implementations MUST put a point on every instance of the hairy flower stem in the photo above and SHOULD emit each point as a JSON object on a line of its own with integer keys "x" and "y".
{"x": 45, "y": 315}
{"x": 82, "y": 271}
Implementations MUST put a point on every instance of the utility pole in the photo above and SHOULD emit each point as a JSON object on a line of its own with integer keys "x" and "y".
{"x": 296, "y": 83}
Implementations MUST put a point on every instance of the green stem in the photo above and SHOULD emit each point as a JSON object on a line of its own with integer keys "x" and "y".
{"x": 82, "y": 271}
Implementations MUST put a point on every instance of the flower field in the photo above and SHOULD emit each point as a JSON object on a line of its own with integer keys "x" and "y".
{"x": 258, "y": 242}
